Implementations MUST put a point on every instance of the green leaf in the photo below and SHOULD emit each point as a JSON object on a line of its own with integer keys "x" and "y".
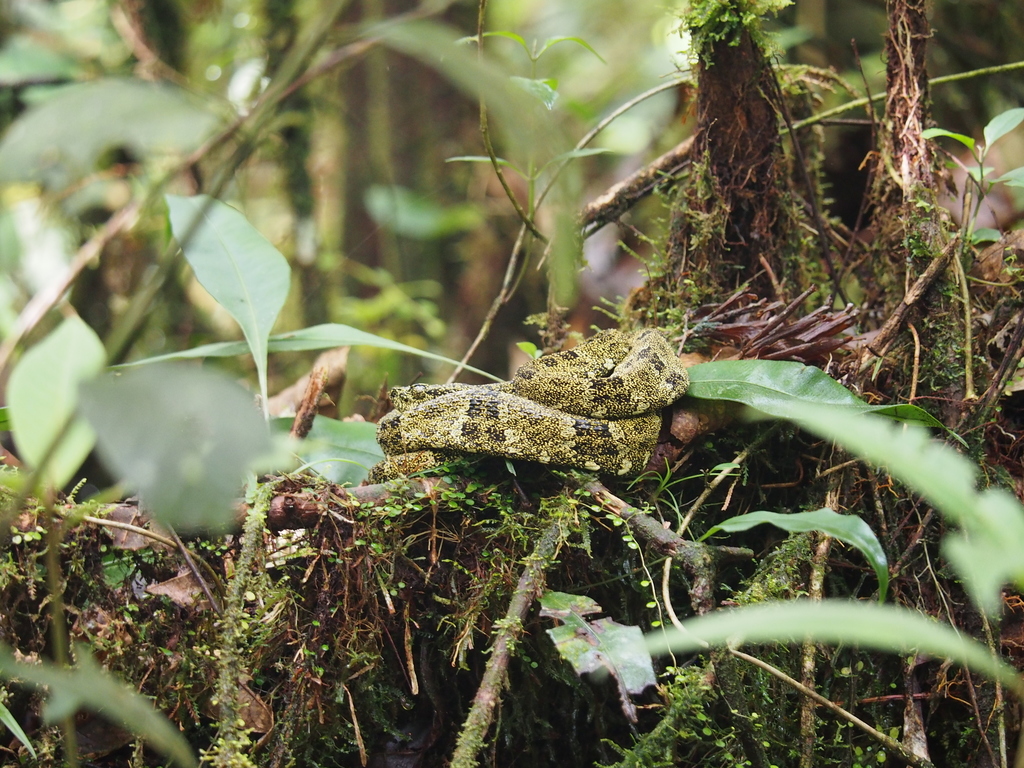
{"x": 783, "y": 389}
{"x": 42, "y": 396}
{"x": 88, "y": 686}
{"x": 479, "y": 159}
{"x": 326, "y": 336}
{"x": 59, "y": 141}
{"x": 574, "y": 153}
{"x": 992, "y": 520}
{"x": 866, "y": 625}
{"x": 237, "y": 265}
{"x": 542, "y": 89}
{"x": 932, "y": 133}
{"x": 1002, "y": 124}
{"x": 599, "y": 646}
{"x": 529, "y": 348}
{"x": 24, "y": 61}
{"x": 404, "y": 212}
{"x": 1014, "y": 178}
{"x": 15, "y": 728}
{"x": 5, "y": 419}
{"x": 341, "y": 451}
{"x": 978, "y": 174}
{"x": 578, "y": 40}
{"x": 985, "y": 235}
{"x": 184, "y": 438}
{"x": 510, "y": 36}
{"x": 849, "y": 529}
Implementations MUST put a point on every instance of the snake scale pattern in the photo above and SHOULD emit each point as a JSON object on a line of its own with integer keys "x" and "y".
{"x": 595, "y": 407}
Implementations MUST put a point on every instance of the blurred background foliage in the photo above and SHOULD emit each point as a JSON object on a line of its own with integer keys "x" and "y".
{"x": 349, "y": 175}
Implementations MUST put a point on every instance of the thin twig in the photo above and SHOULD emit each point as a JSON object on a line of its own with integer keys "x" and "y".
{"x": 531, "y": 582}
{"x": 619, "y": 198}
{"x": 887, "y": 742}
{"x": 485, "y": 134}
{"x": 59, "y": 636}
{"x": 934, "y": 81}
{"x": 132, "y": 528}
{"x": 880, "y": 345}
{"x": 195, "y": 573}
{"x": 718, "y": 479}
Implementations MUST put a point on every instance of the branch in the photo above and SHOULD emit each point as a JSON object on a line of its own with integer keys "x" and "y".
{"x": 699, "y": 560}
{"x": 531, "y": 582}
{"x": 890, "y": 744}
{"x": 628, "y": 192}
{"x": 885, "y": 336}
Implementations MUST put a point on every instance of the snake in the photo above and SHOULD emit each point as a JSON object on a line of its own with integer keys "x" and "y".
{"x": 595, "y": 407}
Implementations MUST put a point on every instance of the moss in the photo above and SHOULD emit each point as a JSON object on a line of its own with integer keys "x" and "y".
{"x": 725, "y": 21}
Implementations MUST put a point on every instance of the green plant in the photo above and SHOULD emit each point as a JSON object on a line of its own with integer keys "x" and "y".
{"x": 980, "y": 175}
{"x": 985, "y": 551}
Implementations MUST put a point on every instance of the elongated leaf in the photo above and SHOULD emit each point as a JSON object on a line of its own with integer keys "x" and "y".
{"x": 849, "y": 529}
{"x": 148, "y": 119}
{"x": 599, "y": 646}
{"x": 542, "y": 89}
{"x": 1002, "y": 124}
{"x": 578, "y": 40}
{"x": 5, "y": 418}
{"x": 985, "y": 235}
{"x": 15, "y": 728}
{"x": 510, "y": 36}
{"x": 184, "y": 438}
{"x": 88, "y": 686}
{"x": 479, "y": 159}
{"x": 783, "y": 389}
{"x": 574, "y": 153}
{"x": 1014, "y": 178}
{"x": 867, "y": 625}
{"x": 341, "y": 451}
{"x": 932, "y": 133}
{"x": 42, "y": 396}
{"x": 993, "y": 519}
{"x": 326, "y": 336}
{"x": 238, "y": 266}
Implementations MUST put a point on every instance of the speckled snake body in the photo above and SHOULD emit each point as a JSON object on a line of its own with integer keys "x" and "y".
{"x": 596, "y": 407}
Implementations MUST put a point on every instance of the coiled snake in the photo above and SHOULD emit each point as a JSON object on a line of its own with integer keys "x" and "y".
{"x": 595, "y": 407}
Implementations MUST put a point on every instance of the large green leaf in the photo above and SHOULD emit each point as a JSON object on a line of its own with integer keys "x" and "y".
{"x": 59, "y": 141}
{"x": 341, "y": 451}
{"x": 324, "y": 336}
{"x": 238, "y": 266}
{"x": 601, "y": 645}
{"x": 849, "y": 529}
{"x": 867, "y": 625}
{"x": 184, "y": 438}
{"x": 42, "y": 395}
{"x": 992, "y": 551}
{"x": 783, "y": 389}
{"x": 1002, "y": 124}
{"x": 88, "y": 686}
